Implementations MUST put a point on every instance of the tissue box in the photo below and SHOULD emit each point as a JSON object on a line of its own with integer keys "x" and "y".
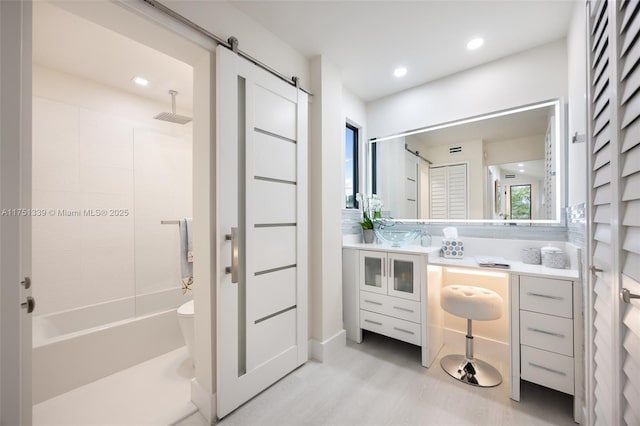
{"x": 452, "y": 249}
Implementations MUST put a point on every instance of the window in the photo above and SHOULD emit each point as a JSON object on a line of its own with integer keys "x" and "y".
{"x": 520, "y": 201}
{"x": 351, "y": 167}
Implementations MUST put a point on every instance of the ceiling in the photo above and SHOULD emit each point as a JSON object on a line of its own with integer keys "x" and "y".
{"x": 518, "y": 125}
{"x": 65, "y": 42}
{"x": 367, "y": 40}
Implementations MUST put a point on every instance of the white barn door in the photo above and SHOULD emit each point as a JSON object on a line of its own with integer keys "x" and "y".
{"x": 262, "y": 207}
{"x": 614, "y": 231}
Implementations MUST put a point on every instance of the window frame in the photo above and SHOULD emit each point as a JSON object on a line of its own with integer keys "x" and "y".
{"x": 356, "y": 165}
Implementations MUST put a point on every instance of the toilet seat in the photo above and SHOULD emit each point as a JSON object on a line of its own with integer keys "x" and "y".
{"x": 186, "y": 309}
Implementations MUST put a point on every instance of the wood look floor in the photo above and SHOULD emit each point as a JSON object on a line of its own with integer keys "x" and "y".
{"x": 381, "y": 382}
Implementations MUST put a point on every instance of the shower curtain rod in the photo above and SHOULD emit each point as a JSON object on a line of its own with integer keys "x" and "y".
{"x": 231, "y": 43}
{"x": 169, "y": 222}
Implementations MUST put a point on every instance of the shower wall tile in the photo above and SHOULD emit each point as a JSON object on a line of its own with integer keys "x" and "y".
{"x": 55, "y": 142}
{"x": 105, "y": 140}
{"x": 106, "y": 180}
{"x": 83, "y": 160}
{"x": 163, "y": 191}
{"x": 56, "y": 232}
{"x": 108, "y": 274}
{"x": 58, "y": 283}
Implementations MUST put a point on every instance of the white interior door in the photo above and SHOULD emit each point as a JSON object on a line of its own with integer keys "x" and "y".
{"x": 614, "y": 231}
{"x": 262, "y": 185}
{"x": 15, "y": 204}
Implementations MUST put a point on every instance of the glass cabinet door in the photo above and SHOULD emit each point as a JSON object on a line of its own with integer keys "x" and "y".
{"x": 404, "y": 276}
{"x": 373, "y": 271}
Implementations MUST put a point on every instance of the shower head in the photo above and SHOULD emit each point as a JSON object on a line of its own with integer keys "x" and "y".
{"x": 172, "y": 117}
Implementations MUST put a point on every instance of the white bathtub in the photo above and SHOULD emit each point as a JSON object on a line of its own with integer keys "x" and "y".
{"x": 76, "y": 347}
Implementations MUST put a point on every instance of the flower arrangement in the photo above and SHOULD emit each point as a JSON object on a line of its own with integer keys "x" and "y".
{"x": 371, "y": 206}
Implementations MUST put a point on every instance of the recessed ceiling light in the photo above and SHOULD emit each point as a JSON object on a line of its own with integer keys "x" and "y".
{"x": 520, "y": 165}
{"x": 521, "y": 170}
{"x": 140, "y": 81}
{"x": 400, "y": 72}
{"x": 475, "y": 43}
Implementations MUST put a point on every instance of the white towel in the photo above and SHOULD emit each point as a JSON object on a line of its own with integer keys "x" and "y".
{"x": 186, "y": 254}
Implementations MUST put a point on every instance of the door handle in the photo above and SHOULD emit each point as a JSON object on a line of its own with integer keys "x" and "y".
{"x": 233, "y": 269}
{"x": 626, "y": 295}
{"x": 29, "y": 305}
{"x": 26, "y": 283}
{"x": 595, "y": 270}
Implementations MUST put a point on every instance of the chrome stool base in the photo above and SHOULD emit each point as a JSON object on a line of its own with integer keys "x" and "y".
{"x": 473, "y": 372}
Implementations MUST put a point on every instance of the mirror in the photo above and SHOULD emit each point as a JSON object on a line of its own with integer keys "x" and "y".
{"x": 503, "y": 166}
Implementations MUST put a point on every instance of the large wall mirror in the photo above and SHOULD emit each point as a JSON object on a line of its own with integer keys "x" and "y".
{"x": 502, "y": 166}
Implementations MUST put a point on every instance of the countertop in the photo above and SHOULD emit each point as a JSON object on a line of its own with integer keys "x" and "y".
{"x": 433, "y": 258}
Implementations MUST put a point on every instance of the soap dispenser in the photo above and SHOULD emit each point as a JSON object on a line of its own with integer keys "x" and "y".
{"x": 425, "y": 239}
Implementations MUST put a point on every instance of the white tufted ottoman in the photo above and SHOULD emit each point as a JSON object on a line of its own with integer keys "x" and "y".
{"x": 473, "y": 303}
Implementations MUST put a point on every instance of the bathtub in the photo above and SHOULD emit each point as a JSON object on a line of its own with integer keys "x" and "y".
{"x": 76, "y": 347}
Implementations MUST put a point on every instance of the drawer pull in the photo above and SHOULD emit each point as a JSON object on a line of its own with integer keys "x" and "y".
{"x": 372, "y": 302}
{"x": 550, "y": 333}
{"x": 373, "y": 322}
{"x": 551, "y": 370}
{"x": 546, "y": 296}
{"x": 400, "y": 308}
{"x": 403, "y": 330}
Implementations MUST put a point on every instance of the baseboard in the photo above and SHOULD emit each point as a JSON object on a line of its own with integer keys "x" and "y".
{"x": 205, "y": 401}
{"x": 483, "y": 348}
{"x": 322, "y": 351}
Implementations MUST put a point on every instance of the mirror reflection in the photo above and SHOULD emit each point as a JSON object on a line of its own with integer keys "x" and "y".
{"x": 500, "y": 167}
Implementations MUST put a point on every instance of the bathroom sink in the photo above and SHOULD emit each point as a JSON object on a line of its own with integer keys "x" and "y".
{"x": 396, "y": 237}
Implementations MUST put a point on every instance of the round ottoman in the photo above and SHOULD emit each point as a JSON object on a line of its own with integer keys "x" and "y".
{"x": 472, "y": 303}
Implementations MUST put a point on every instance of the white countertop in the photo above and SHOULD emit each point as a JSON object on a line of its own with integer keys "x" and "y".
{"x": 410, "y": 249}
{"x": 433, "y": 258}
{"x": 517, "y": 267}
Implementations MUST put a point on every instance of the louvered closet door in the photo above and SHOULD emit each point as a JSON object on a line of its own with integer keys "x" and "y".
{"x": 448, "y": 198}
{"x": 614, "y": 232}
{"x": 262, "y": 186}
{"x": 629, "y": 54}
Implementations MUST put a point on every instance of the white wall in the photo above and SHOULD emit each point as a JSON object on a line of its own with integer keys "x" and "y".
{"x": 514, "y": 150}
{"x": 326, "y": 158}
{"x": 98, "y": 148}
{"x": 577, "y": 120}
{"x": 532, "y": 76}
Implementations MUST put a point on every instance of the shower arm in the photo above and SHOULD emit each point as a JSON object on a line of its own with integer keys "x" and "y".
{"x": 173, "y": 94}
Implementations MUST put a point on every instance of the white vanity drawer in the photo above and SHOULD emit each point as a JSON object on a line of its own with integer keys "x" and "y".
{"x": 388, "y": 305}
{"x": 548, "y": 369}
{"x": 547, "y": 296}
{"x": 393, "y": 327}
{"x": 547, "y": 332}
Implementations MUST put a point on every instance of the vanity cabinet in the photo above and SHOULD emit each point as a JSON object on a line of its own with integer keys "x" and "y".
{"x": 548, "y": 333}
{"x": 393, "y": 274}
{"x": 386, "y": 292}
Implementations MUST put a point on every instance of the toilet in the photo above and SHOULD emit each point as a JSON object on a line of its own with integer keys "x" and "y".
{"x": 185, "y": 319}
